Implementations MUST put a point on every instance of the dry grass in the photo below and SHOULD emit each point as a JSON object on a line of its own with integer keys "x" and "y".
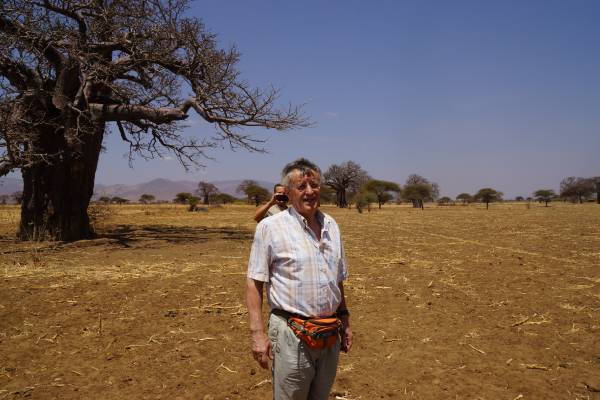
{"x": 449, "y": 302}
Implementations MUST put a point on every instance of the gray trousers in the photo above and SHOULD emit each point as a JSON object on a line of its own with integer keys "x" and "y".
{"x": 299, "y": 372}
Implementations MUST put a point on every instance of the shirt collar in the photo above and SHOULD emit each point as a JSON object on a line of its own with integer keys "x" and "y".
{"x": 321, "y": 217}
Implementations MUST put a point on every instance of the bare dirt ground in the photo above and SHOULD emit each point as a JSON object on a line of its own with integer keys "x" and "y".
{"x": 447, "y": 303}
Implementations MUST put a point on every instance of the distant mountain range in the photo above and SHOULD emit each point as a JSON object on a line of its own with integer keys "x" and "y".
{"x": 161, "y": 189}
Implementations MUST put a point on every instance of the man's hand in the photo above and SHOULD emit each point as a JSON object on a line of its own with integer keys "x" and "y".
{"x": 261, "y": 349}
{"x": 346, "y": 336}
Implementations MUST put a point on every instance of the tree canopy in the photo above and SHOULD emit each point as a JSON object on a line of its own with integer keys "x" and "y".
{"x": 418, "y": 190}
{"x": 577, "y": 189}
{"x": 206, "y": 190}
{"x": 254, "y": 192}
{"x": 545, "y": 195}
{"x": 488, "y": 195}
{"x": 182, "y": 198}
{"x": 68, "y": 68}
{"x": 147, "y": 198}
{"x": 382, "y": 190}
{"x": 464, "y": 198}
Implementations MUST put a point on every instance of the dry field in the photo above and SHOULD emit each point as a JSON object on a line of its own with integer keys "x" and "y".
{"x": 447, "y": 303}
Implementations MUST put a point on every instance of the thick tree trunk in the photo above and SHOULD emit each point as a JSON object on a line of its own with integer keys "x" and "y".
{"x": 341, "y": 198}
{"x": 56, "y": 193}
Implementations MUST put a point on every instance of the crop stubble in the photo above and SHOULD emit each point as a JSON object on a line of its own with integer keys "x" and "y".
{"x": 449, "y": 302}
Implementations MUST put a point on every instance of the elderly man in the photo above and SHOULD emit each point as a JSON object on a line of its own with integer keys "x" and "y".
{"x": 298, "y": 253}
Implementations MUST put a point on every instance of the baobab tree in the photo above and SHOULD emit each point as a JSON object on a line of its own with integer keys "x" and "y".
{"x": 343, "y": 178}
{"x": 71, "y": 69}
{"x": 206, "y": 190}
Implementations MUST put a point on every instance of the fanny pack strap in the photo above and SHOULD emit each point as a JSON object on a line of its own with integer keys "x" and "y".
{"x": 288, "y": 315}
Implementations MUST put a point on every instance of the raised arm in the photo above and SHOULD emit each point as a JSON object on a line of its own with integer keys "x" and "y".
{"x": 262, "y": 210}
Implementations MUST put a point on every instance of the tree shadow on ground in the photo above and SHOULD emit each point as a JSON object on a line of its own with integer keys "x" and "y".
{"x": 129, "y": 236}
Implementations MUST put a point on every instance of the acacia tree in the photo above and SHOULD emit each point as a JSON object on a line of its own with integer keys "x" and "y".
{"x": 382, "y": 190}
{"x": 146, "y": 198}
{"x": 488, "y": 195}
{"x": 254, "y": 192}
{"x": 222, "y": 198}
{"x": 182, "y": 198}
{"x": 69, "y": 67}
{"x": 206, "y": 190}
{"x": 119, "y": 200}
{"x": 363, "y": 199}
{"x": 464, "y": 198}
{"x": 346, "y": 177}
{"x": 545, "y": 195}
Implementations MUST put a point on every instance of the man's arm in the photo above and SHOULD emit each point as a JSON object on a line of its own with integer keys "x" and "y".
{"x": 347, "y": 335}
{"x": 262, "y": 210}
{"x": 261, "y": 345}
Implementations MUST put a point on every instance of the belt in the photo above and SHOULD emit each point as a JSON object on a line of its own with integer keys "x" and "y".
{"x": 287, "y": 314}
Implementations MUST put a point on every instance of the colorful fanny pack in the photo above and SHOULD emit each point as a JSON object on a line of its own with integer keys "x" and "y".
{"x": 317, "y": 333}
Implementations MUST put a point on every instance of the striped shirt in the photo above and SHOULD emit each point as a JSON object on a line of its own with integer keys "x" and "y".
{"x": 301, "y": 272}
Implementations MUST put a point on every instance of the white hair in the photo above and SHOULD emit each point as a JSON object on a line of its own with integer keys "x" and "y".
{"x": 302, "y": 165}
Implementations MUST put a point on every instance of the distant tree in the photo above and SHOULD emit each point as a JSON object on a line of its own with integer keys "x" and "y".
{"x": 206, "y": 190}
{"x": 487, "y": 196}
{"x": 596, "y": 182}
{"x": 417, "y": 193}
{"x": 418, "y": 190}
{"x": 119, "y": 200}
{"x": 545, "y": 195}
{"x": 363, "y": 199}
{"x": 18, "y": 197}
{"x": 346, "y": 177}
{"x": 193, "y": 203}
{"x": 382, "y": 190}
{"x": 519, "y": 198}
{"x": 182, "y": 198}
{"x": 4, "y": 198}
{"x": 146, "y": 198}
{"x": 464, "y": 198}
{"x": 576, "y": 189}
{"x": 444, "y": 201}
{"x": 254, "y": 192}
{"x": 104, "y": 199}
{"x": 222, "y": 198}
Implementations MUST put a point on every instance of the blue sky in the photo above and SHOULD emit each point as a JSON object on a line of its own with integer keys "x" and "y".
{"x": 469, "y": 94}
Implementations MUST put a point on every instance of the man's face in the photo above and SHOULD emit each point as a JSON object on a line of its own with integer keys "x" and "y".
{"x": 304, "y": 193}
{"x": 280, "y": 190}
